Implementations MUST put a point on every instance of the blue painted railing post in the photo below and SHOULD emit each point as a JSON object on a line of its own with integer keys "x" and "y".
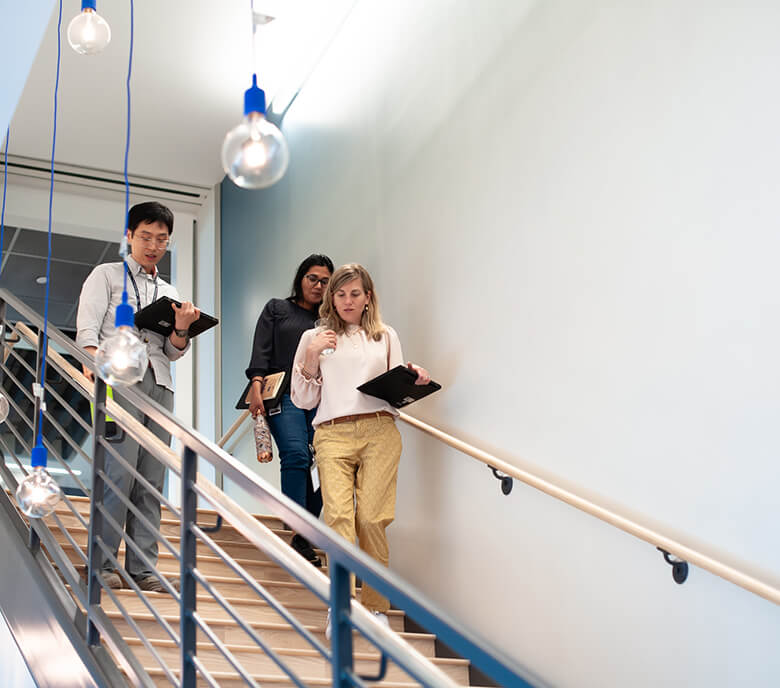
{"x": 95, "y": 514}
{"x": 341, "y": 637}
{"x": 189, "y": 512}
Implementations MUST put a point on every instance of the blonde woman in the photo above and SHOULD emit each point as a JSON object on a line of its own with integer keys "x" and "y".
{"x": 356, "y": 443}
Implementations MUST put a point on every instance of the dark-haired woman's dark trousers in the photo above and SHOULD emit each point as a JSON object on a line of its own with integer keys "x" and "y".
{"x": 293, "y": 433}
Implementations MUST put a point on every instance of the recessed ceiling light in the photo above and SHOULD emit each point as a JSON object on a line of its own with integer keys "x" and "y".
{"x": 41, "y": 279}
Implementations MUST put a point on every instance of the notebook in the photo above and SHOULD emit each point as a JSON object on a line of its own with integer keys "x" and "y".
{"x": 397, "y": 387}
{"x": 159, "y": 317}
{"x": 273, "y": 385}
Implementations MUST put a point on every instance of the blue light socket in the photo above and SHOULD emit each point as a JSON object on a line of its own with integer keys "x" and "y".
{"x": 254, "y": 98}
{"x": 38, "y": 456}
{"x": 88, "y": 5}
{"x": 125, "y": 315}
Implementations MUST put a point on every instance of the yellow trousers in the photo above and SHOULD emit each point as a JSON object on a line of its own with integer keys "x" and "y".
{"x": 358, "y": 465}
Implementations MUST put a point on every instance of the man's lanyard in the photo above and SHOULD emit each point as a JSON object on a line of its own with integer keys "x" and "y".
{"x": 135, "y": 288}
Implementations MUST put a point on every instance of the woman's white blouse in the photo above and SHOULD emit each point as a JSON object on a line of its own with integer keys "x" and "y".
{"x": 355, "y": 361}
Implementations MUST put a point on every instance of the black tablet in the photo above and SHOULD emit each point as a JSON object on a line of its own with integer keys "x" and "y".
{"x": 159, "y": 317}
{"x": 397, "y": 387}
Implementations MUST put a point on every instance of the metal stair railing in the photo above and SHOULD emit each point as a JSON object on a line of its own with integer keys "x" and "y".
{"x": 344, "y": 558}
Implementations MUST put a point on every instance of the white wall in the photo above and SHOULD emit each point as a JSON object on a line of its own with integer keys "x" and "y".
{"x": 570, "y": 211}
{"x": 23, "y": 27}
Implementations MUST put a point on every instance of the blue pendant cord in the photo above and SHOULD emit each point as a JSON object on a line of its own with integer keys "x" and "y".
{"x": 39, "y": 449}
{"x": 5, "y": 186}
{"x": 123, "y": 244}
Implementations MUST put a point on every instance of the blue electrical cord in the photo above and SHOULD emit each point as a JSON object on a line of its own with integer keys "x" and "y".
{"x": 45, "y": 343}
{"x": 127, "y": 149}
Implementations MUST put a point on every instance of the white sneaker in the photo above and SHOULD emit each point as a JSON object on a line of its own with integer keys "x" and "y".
{"x": 328, "y": 627}
{"x": 382, "y": 618}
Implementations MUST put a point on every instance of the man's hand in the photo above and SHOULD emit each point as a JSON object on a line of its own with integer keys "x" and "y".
{"x": 185, "y": 315}
{"x": 92, "y": 350}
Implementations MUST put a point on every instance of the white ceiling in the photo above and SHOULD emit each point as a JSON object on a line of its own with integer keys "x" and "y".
{"x": 192, "y": 61}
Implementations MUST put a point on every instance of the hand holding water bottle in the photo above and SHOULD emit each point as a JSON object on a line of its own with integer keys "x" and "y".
{"x": 324, "y": 341}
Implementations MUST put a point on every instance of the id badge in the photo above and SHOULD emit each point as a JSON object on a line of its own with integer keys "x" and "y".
{"x": 315, "y": 476}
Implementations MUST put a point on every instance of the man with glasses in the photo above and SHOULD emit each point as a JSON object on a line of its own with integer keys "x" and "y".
{"x": 149, "y": 227}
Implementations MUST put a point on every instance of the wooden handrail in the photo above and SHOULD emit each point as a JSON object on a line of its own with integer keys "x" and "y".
{"x": 680, "y": 550}
{"x": 688, "y": 553}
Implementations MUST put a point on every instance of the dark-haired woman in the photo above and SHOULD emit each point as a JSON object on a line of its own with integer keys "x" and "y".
{"x": 278, "y": 330}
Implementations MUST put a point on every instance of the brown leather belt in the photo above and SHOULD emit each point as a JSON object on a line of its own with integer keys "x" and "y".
{"x": 357, "y": 416}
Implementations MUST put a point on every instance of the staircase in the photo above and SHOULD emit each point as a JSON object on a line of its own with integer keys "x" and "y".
{"x": 251, "y": 611}
{"x": 308, "y": 664}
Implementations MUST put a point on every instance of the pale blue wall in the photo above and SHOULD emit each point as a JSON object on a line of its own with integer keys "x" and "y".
{"x": 257, "y": 264}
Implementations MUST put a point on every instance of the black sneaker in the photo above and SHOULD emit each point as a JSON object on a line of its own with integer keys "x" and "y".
{"x": 301, "y": 545}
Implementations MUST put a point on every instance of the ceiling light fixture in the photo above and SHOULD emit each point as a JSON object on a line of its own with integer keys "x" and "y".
{"x": 38, "y": 494}
{"x": 254, "y": 153}
{"x": 122, "y": 358}
{"x": 41, "y": 280}
{"x": 88, "y": 32}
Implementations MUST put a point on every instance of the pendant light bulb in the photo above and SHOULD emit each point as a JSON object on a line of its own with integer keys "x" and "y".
{"x": 121, "y": 358}
{"x": 4, "y": 407}
{"x": 88, "y": 32}
{"x": 38, "y": 494}
{"x": 254, "y": 153}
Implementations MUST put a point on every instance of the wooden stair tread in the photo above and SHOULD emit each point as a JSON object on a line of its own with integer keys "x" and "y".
{"x": 258, "y": 615}
{"x": 271, "y": 681}
{"x": 267, "y": 625}
{"x": 292, "y": 652}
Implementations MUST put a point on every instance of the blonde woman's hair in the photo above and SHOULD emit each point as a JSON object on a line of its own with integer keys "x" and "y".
{"x": 371, "y": 318}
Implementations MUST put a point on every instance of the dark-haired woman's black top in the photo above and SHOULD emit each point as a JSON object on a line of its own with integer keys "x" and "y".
{"x": 277, "y": 333}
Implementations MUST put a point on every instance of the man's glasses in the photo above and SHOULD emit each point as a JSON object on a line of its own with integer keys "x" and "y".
{"x": 313, "y": 279}
{"x": 161, "y": 242}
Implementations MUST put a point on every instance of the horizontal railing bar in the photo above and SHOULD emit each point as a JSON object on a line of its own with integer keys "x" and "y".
{"x": 24, "y": 471}
{"x": 237, "y": 618}
{"x": 395, "y": 647}
{"x": 21, "y": 360}
{"x": 137, "y": 513}
{"x": 226, "y": 653}
{"x": 50, "y": 447}
{"x": 57, "y": 555}
{"x": 137, "y": 476}
{"x": 15, "y": 433}
{"x": 494, "y": 662}
{"x": 259, "y": 535}
{"x": 655, "y": 538}
{"x": 141, "y": 636}
{"x": 70, "y": 539}
{"x": 204, "y": 672}
{"x": 129, "y": 542}
{"x": 277, "y": 606}
{"x": 122, "y": 571}
{"x": 17, "y": 383}
{"x": 122, "y": 654}
{"x": 66, "y": 405}
{"x": 29, "y": 423}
